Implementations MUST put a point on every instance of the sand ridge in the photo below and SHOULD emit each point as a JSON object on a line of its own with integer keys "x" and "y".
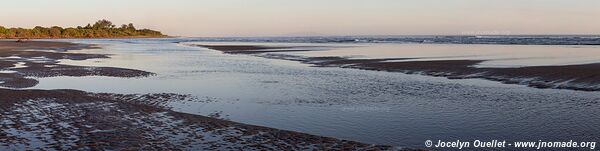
{"x": 78, "y": 120}
{"x": 584, "y": 77}
{"x": 19, "y": 61}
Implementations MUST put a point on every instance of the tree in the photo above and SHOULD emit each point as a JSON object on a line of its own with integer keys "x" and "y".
{"x": 71, "y": 33}
{"x": 100, "y": 29}
{"x": 103, "y": 24}
{"x": 22, "y": 33}
{"x": 55, "y": 32}
{"x": 39, "y": 32}
{"x": 130, "y": 27}
{"x": 3, "y": 32}
{"x": 11, "y": 33}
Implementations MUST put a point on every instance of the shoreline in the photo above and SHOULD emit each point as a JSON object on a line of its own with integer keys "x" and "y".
{"x": 584, "y": 77}
{"x": 73, "y": 119}
{"x": 19, "y": 61}
{"x": 65, "y": 119}
{"x": 133, "y": 37}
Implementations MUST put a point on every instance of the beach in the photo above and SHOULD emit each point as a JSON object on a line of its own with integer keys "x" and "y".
{"x": 20, "y": 60}
{"x": 64, "y": 119}
{"x": 299, "y": 75}
{"x": 582, "y": 77}
{"x": 395, "y": 95}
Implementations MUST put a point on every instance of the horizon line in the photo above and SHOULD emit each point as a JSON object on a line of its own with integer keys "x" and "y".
{"x": 408, "y": 35}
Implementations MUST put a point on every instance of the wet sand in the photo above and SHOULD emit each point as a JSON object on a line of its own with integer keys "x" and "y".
{"x": 73, "y": 119}
{"x": 585, "y": 77}
{"x": 575, "y": 77}
{"x": 21, "y": 60}
{"x": 250, "y": 49}
{"x": 41, "y": 45}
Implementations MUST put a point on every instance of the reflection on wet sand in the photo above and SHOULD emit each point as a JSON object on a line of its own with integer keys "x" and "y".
{"x": 436, "y": 62}
{"x": 41, "y": 60}
{"x": 72, "y": 119}
{"x": 362, "y": 105}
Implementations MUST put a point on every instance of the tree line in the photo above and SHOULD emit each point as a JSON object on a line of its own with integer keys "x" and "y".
{"x": 100, "y": 29}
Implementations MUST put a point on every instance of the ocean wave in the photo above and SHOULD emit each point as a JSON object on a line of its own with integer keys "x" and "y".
{"x": 490, "y": 39}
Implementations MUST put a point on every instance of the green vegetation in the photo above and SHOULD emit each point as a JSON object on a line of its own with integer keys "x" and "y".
{"x": 100, "y": 29}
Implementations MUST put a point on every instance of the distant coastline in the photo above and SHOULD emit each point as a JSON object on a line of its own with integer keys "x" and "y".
{"x": 100, "y": 29}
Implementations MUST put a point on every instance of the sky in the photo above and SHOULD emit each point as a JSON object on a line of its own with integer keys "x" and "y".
{"x": 222, "y": 18}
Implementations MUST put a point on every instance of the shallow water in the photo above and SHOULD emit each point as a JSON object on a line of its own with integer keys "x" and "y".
{"x": 496, "y": 55}
{"x": 368, "y": 106}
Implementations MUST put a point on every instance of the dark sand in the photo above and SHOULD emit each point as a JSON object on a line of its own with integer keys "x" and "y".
{"x": 77, "y": 120}
{"x": 71, "y": 119}
{"x": 585, "y": 77}
{"x": 42, "y": 45}
{"x": 250, "y": 49}
{"x": 40, "y": 59}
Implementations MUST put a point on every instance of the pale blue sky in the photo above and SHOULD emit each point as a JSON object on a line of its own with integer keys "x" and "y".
{"x": 316, "y": 17}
